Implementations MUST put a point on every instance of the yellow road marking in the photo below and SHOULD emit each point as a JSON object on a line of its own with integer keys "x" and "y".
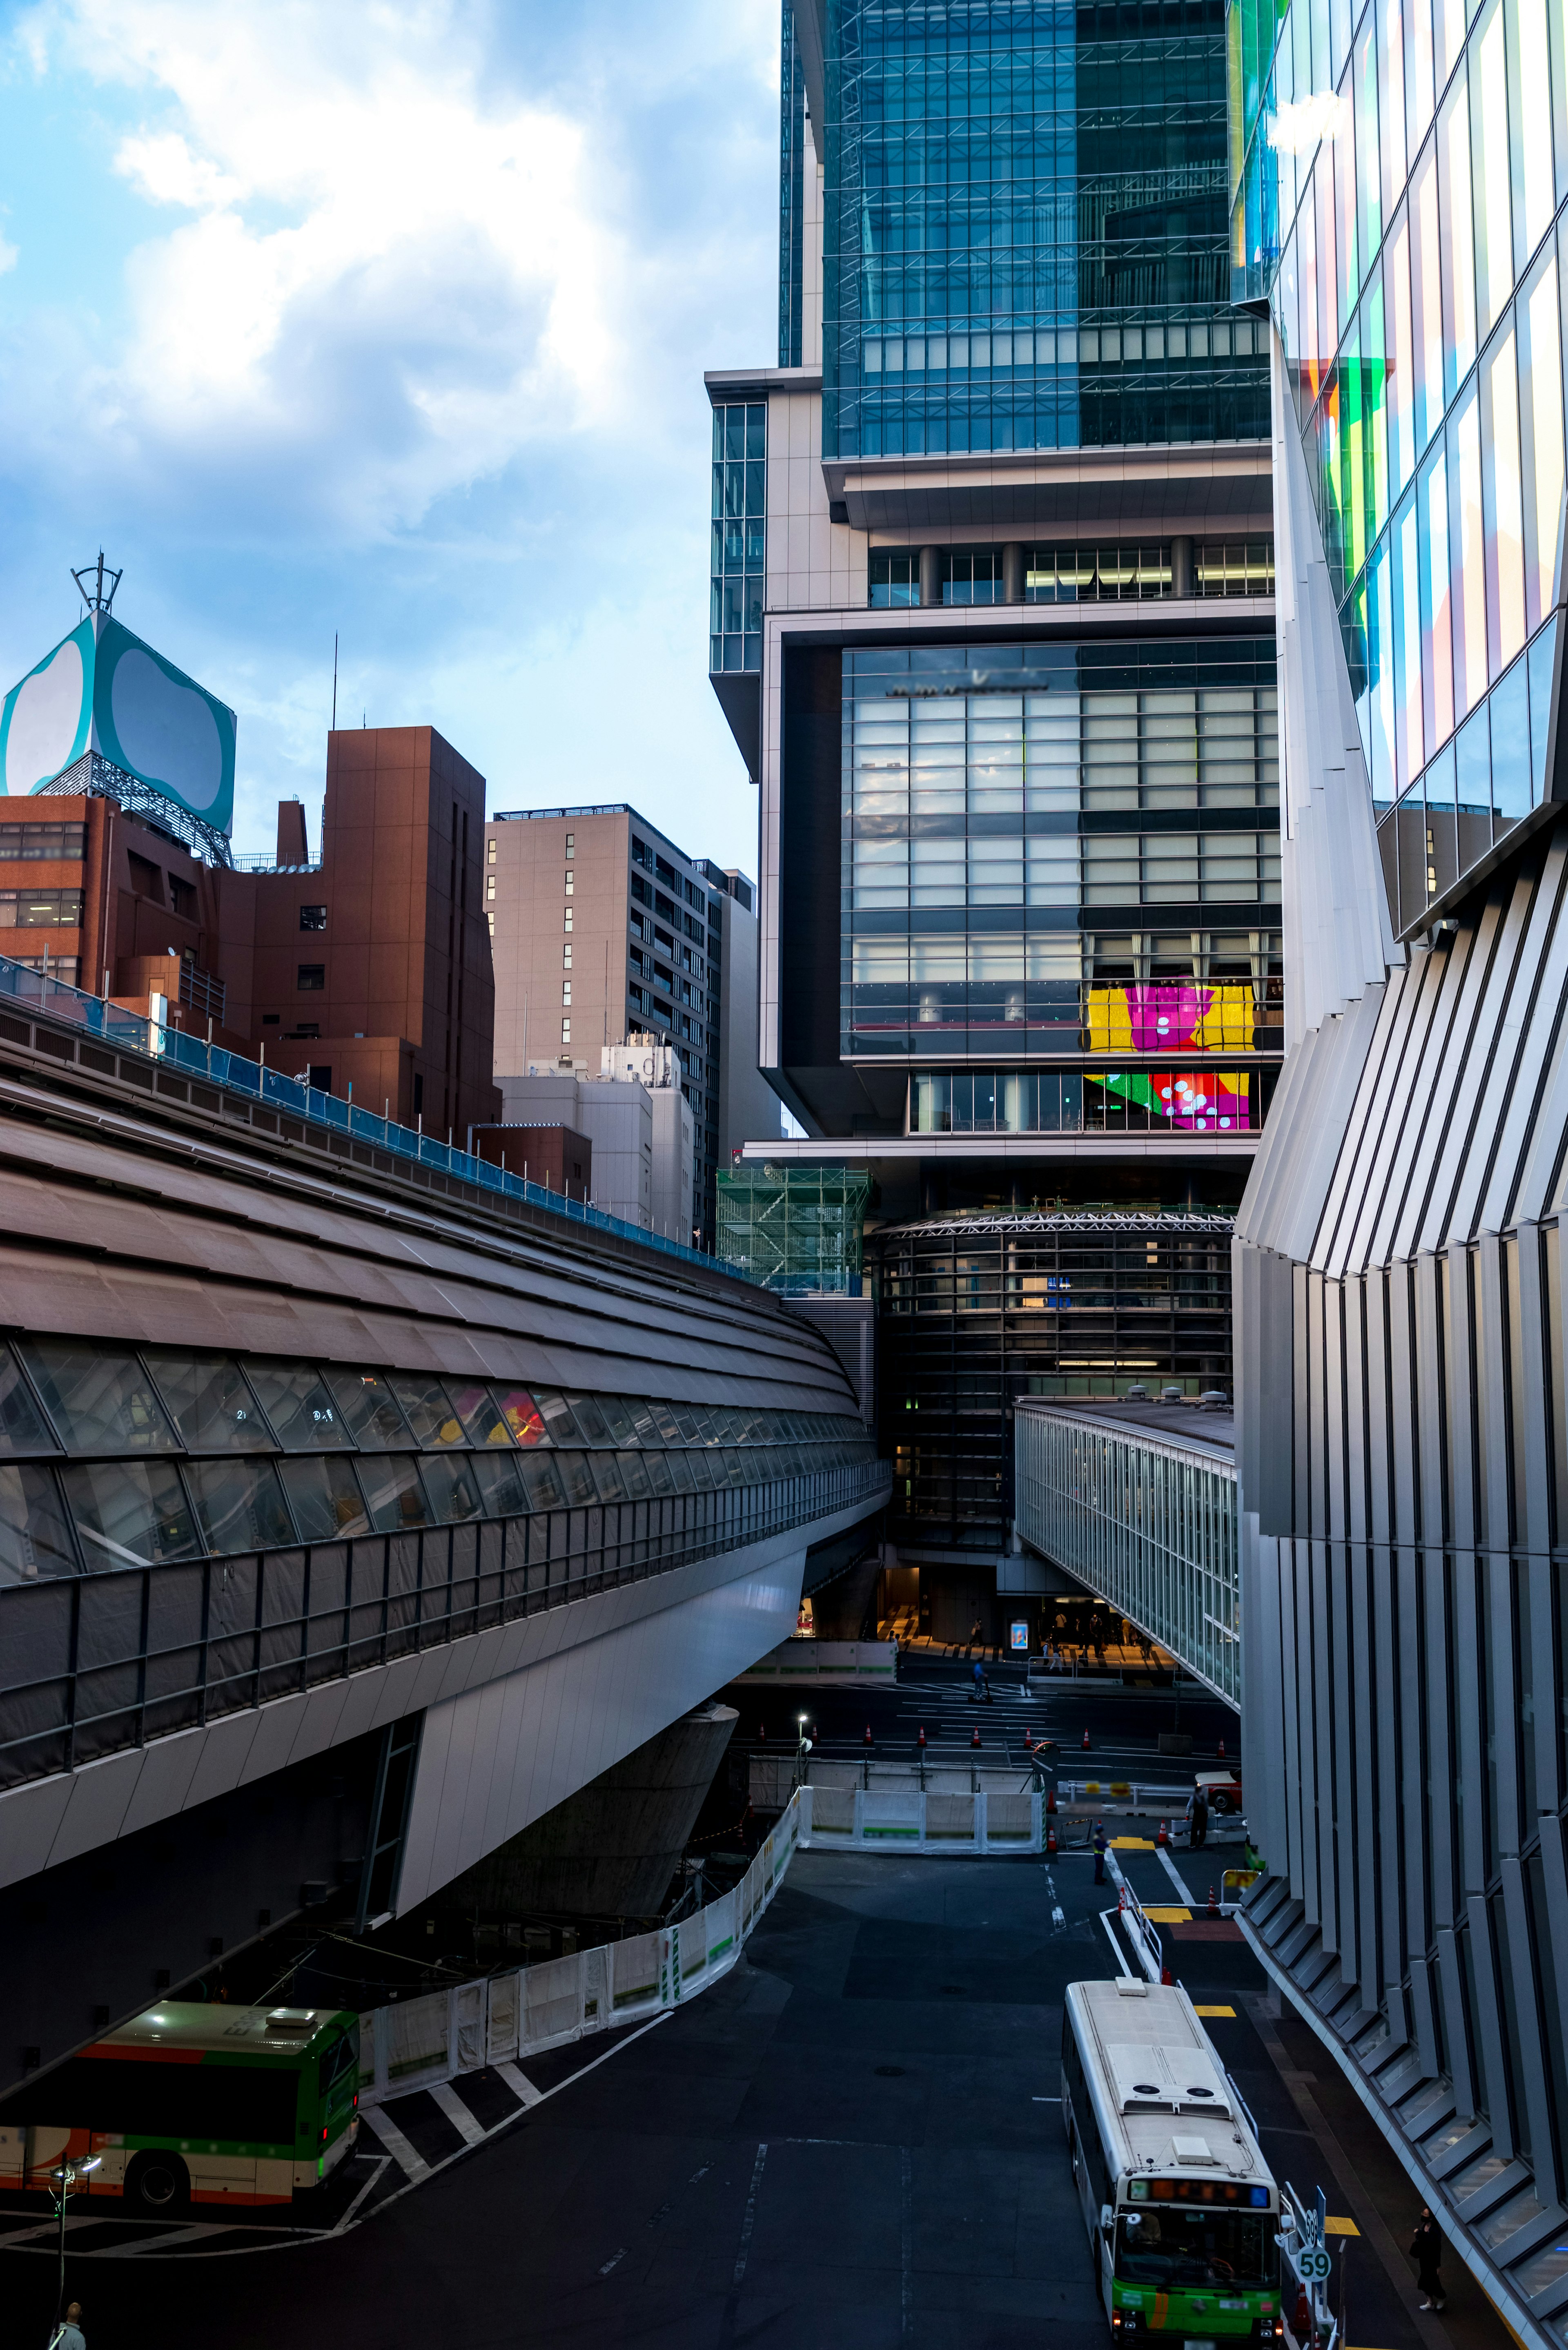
{"x": 1216, "y": 2011}
{"x": 1168, "y": 1916}
{"x": 1332, "y": 2227}
{"x": 1132, "y": 1844}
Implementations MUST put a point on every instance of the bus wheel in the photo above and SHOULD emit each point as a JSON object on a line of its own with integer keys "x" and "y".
{"x": 158, "y": 2184}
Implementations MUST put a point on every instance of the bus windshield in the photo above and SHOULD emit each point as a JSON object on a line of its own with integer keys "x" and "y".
{"x": 1169, "y": 2247}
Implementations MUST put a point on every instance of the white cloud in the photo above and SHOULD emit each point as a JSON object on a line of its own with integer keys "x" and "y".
{"x": 385, "y": 261}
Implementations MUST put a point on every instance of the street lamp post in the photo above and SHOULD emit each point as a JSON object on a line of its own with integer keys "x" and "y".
{"x": 65, "y": 2176}
{"x": 802, "y": 1750}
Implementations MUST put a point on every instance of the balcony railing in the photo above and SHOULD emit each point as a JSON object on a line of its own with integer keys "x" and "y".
{"x": 90, "y": 1664}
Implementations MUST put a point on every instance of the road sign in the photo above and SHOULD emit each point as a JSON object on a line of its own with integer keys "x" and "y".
{"x": 1314, "y": 2265}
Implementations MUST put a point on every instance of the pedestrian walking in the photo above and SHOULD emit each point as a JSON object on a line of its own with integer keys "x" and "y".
{"x": 1426, "y": 2251}
{"x": 981, "y": 1684}
{"x": 1100, "y": 1849}
{"x": 68, "y": 2334}
{"x": 1199, "y": 1836}
{"x": 975, "y": 1633}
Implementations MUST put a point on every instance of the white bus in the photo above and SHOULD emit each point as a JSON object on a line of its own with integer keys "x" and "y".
{"x": 1179, "y": 2205}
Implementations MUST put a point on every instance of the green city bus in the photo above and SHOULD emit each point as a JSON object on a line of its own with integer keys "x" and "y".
{"x": 1180, "y": 2207}
{"x": 194, "y": 2105}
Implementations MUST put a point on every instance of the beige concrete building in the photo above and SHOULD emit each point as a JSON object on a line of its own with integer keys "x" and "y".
{"x": 601, "y": 929}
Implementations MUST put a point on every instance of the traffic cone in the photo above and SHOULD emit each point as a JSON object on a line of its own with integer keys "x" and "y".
{"x": 921, "y": 1740}
{"x": 761, "y": 1733}
{"x": 1220, "y": 1750}
{"x": 1051, "y": 1801}
{"x": 1050, "y": 1835}
{"x": 1166, "y": 1978}
{"x": 975, "y": 1740}
{"x": 1162, "y": 1838}
{"x": 1213, "y": 1905}
{"x": 1086, "y": 1742}
{"x": 867, "y": 1741}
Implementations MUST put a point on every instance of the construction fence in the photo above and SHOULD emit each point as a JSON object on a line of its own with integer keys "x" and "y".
{"x": 500, "y": 2019}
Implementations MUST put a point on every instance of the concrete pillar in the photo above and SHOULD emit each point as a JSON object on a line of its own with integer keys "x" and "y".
{"x": 930, "y": 577}
{"x": 1013, "y": 574}
{"x": 1181, "y": 566}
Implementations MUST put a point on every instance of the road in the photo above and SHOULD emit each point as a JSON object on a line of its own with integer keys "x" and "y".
{"x": 851, "y": 2139}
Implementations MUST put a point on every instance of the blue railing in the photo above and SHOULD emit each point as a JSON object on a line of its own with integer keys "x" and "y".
{"x": 129, "y": 1033}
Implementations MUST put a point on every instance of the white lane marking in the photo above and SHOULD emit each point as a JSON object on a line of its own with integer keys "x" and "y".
{"x": 613, "y": 2260}
{"x": 471, "y": 2131}
{"x": 177, "y": 2236}
{"x": 1122, "y": 1965}
{"x": 742, "y": 2255}
{"x": 396, "y": 2144}
{"x": 521, "y": 2086}
{"x": 346, "y": 2221}
{"x": 1044, "y": 2101}
{"x": 1169, "y": 1865}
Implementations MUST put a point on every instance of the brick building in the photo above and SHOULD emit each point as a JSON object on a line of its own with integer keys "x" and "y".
{"x": 369, "y": 968}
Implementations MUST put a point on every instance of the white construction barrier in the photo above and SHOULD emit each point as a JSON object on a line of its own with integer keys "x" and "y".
{"x": 414, "y": 2044}
{"x": 912, "y": 1819}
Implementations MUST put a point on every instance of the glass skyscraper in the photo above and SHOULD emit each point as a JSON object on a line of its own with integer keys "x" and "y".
{"x": 998, "y": 648}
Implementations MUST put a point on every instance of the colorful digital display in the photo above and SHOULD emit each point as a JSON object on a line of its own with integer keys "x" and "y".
{"x": 1196, "y": 1100}
{"x": 1185, "y": 1018}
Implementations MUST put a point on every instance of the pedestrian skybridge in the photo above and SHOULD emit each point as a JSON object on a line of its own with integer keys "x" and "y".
{"x": 1137, "y": 1501}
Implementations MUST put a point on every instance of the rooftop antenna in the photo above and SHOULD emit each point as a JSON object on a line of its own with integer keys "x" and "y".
{"x": 92, "y": 594}
{"x": 335, "y": 680}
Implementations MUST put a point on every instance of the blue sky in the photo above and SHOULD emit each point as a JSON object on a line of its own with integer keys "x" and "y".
{"x": 391, "y": 319}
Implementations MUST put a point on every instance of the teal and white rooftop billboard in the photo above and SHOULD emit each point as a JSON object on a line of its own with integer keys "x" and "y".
{"x": 103, "y": 689}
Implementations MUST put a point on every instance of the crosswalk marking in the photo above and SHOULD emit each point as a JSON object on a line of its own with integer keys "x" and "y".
{"x": 521, "y": 2086}
{"x": 396, "y": 2144}
{"x": 457, "y": 2114}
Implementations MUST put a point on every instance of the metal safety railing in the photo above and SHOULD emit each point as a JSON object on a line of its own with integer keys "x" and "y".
{"x": 415, "y": 2043}
{"x": 99, "y": 1016}
{"x": 93, "y": 1663}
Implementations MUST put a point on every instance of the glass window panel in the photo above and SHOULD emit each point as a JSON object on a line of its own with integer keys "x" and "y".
{"x": 393, "y": 1494}
{"x": 1420, "y": 80}
{"x": 1466, "y": 550}
{"x": 1399, "y": 351}
{"x": 1350, "y": 262}
{"x": 1503, "y": 510}
{"x": 35, "y": 1533}
{"x": 1557, "y": 44}
{"x": 1449, "y": 20}
{"x": 1429, "y": 394}
{"x": 1436, "y": 618}
{"x": 1364, "y": 92}
{"x": 589, "y": 1419}
{"x": 1472, "y": 755}
{"x": 99, "y": 1397}
{"x": 1510, "y": 749}
{"x": 1530, "y": 83}
{"x": 1456, "y": 242}
{"x": 130, "y": 1512}
{"x": 1391, "y": 95}
{"x": 576, "y": 1478}
{"x": 298, "y": 1402}
{"x": 1375, "y": 384}
{"x": 1380, "y": 674}
{"x": 369, "y": 1408}
{"x": 1442, "y": 850}
{"x": 1409, "y": 751}
{"x": 523, "y": 1415}
{"x": 240, "y": 1506}
{"x": 634, "y": 1476}
{"x": 1328, "y": 280}
{"x": 1490, "y": 169}
{"x": 429, "y": 1409}
{"x": 483, "y": 1418}
{"x": 619, "y": 1422}
{"x": 559, "y": 1424}
{"x": 500, "y": 1477}
{"x": 21, "y": 1427}
{"x": 1540, "y": 657}
{"x": 1541, "y": 419}
{"x": 452, "y": 1487}
{"x": 212, "y": 1405}
{"x": 324, "y": 1495}
{"x": 607, "y": 1476}
{"x": 542, "y": 1481}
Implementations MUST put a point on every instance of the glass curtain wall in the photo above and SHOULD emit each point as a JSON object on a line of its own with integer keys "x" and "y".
{"x": 1070, "y": 850}
{"x": 973, "y": 1313}
{"x": 739, "y": 560}
{"x": 792, "y": 193}
{"x": 1025, "y": 235}
{"x": 1399, "y": 191}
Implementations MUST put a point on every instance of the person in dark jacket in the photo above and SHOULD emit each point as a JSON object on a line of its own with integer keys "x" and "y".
{"x": 1100, "y": 1849}
{"x": 1200, "y": 1836}
{"x": 1426, "y": 2251}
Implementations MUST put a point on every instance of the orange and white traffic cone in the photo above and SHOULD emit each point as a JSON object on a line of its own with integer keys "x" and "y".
{"x": 1050, "y": 1835}
{"x": 975, "y": 1740}
{"x": 921, "y": 1740}
{"x": 1086, "y": 1742}
{"x": 1213, "y": 1905}
{"x": 1162, "y": 1838}
{"x": 867, "y": 1740}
